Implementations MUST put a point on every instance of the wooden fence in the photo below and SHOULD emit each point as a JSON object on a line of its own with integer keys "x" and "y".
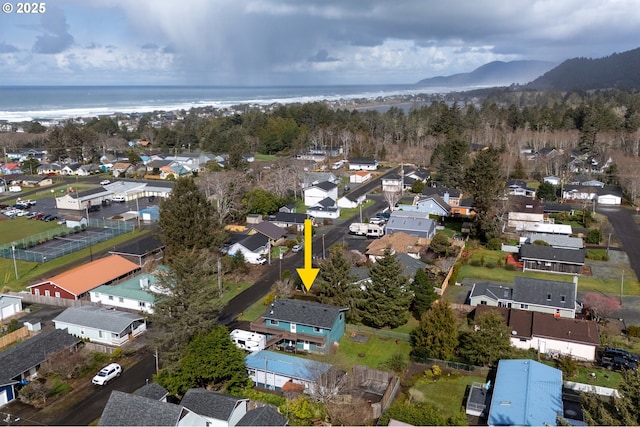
{"x": 12, "y": 337}
{"x": 45, "y": 300}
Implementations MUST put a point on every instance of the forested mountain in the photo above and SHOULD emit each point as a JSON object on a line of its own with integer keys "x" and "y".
{"x": 620, "y": 70}
{"x": 496, "y": 73}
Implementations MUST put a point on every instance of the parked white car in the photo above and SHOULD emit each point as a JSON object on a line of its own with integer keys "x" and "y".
{"x": 118, "y": 199}
{"x": 297, "y": 248}
{"x": 107, "y": 373}
{"x": 105, "y": 182}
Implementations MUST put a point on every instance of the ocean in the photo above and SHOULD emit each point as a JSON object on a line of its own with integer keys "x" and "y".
{"x": 26, "y": 103}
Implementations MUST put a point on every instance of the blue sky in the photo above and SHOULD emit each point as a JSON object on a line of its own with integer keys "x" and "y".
{"x": 299, "y": 42}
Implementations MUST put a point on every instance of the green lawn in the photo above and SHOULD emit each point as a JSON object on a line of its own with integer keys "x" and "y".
{"x": 233, "y": 289}
{"x": 375, "y": 352}
{"x": 349, "y": 212}
{"x": 446, "y": 393}
{"x": 266, "y": 157}
{"x": 20, "y": 227}
{"x": 253, "y": 312}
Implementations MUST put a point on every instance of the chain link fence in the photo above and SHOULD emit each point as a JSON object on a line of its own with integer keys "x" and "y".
{"x": 61, "y": 241}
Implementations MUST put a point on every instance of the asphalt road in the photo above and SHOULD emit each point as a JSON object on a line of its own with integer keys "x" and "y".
{"x": 330, "y": 234}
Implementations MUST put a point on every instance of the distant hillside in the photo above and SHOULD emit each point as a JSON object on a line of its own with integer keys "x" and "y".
{"x": 497, "y": 73}
{"x": 620, "y": 70}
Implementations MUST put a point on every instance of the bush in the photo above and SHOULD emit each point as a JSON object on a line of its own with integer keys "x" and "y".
{"x": 594, "y": 236}
{"x": 495, "y": 244}
{"x": 475, "y": 263}
{"x": 510, "y": 267}
{"x": 491, "y": 265}
{"x": 633, "y": 331}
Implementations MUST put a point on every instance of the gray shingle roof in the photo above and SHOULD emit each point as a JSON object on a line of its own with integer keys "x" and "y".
{"x": 548, "y": 253}
{"x": 254, "y": 241}
{"x": 98, "y": 318}
{"x": 303, "y": 313}
{"x": 440, "y": 191}
{"x": 291, "y": 218}
{"x": 152, "y": 391}
{"x": 210, "y": 403}
{"x": 326, "y": 185}
{"x": 269, "y": 229}
{"x": 263, "y": 416}
{"x": 492, "y": 290}
{"x": 410, "y": 265}
{"x": 32, "y": 352}
{"x": 409, "y": 225}
{"x": 124, "y": 409}
{"x": 558, "y": 240}
{"x": 536, "y": 291}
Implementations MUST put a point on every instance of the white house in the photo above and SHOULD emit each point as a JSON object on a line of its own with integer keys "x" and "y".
{"x": 551, "y": 179}
{"x": 10, "y": 305}
{"x": 274, "y": 370}
{"x": 220, "y": 410}
{"x": 252, "y": 247}
{"x": 362, "y": 164}
{"x": 360, "y": 177}
{"x": 326, "y": 208}
{"x": 320, "y": 191}
{"x": 109, "y": 327}
{"x": 136, "y": 293}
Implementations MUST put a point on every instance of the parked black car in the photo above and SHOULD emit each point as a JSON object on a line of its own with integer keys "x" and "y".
{"x": 618, "y": 363}
{"x": 93, "y": 208}
{"x": 618, "y": 352}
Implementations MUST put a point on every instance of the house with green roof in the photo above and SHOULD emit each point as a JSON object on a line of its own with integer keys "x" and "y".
{"x": 137, "y": 293}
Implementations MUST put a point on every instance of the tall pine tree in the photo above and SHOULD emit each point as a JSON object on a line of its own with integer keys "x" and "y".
{"x": 437, "y": 335}
{"x": 336, "y": 284}
{"x": 387, "y": 298}
{"x": 423, "y": 293}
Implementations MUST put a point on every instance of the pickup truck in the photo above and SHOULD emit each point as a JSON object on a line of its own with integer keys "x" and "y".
{"x": 617, "y": 363}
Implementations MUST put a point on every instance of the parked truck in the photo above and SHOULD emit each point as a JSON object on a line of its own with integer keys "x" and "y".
{"x": 375, "y": 231}
{"x": 359, "y": 228}
{"x": 617, "y": 363}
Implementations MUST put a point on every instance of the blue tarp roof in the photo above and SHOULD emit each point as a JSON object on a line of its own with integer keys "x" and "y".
{"x": 285, "y": 365}
{"x": 526, "y": 393}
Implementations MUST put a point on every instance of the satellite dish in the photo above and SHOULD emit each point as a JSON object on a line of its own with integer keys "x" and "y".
{"x": 514, "y": 332}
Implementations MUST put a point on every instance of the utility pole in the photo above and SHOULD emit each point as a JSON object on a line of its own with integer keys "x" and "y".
{"x": 220, "y": 275}
{"x": 15, "y": 266}
{"x": 621, "y": 287}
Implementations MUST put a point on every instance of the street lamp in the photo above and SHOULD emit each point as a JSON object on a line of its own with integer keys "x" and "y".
{"x": 15, "y": 266}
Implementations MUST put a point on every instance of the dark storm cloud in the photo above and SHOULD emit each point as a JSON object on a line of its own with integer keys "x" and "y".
{"x": 323, "y": 56}
{"x": 55, "y": 37}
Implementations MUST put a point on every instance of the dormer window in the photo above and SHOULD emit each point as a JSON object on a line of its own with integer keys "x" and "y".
{"x": 549, "y": 297}
{"x": 563, "y": 298}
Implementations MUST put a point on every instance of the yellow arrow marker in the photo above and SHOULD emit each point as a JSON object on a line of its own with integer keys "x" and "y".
{"x": 307, "y": 274}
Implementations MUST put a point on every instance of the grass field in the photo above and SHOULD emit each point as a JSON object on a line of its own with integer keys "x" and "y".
{"x": 31, "y": 272}
{"x": 233, "y": 289}
{"x": 446, "y": 394}
{"x": 20, "y": 227}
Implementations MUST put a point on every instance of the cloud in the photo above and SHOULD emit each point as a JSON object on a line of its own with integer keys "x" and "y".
{"x": 322, "y": 56}
{"x": 7, "y": 48}
{"x": 149, "y": 46}
{"x": 55, "y": 37}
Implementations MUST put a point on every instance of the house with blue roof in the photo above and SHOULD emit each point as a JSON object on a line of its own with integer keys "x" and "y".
{"x": 526, "y": 393}
{"x": 297, "y": 325}
{"x": 276, "y": 371}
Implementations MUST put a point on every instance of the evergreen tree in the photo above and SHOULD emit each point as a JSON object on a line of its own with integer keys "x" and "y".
{"x": 189, "y": 304}
{"x": 441, "y": 246}
{"x": 547, "y": 192}
{"x": 259, "y": 201}
{"x": 451, "y": 158}
{"x": 437, "y": 335}
{"x": 423, "y": 293}
{"x": 336, "y": 284}
{"x": 211, "y": 361}
{"x": 387, "y": 298}
{"x": 187, "y": 220}
{"x": 518, "y": 170}
{"x": 489, "y": 343}
{"x": 483, "y": 183}
{"x": 623, "y": 410}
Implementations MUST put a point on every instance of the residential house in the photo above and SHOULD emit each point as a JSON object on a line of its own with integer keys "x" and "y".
{"x": 466, "y": 207}
{"x": 125, "y": 409}
{"x": 410, "y": 266}
{"x": 220, "y": 410}
{"x": 70, "y": 169}
{"x": 122, "y": 169}
{"x": 100, "y": 325}
{"x": 552, "y": 260}
{"x": 393, "y": 183}
{"x": 253, "y": 247}
{"x": 611, "y": 196}
{"x": 325, "y": 208}
{"x": 418, "y": 174}
{"x": 525, "y": 211}
{"x": 155, "y": 166}
{"x": 136, "y": 293}
{"x": 317, "y": 192}
{"x": 174, "y": 170}
{"x": 547, "y": 228}
{"x": 279, "y": 371}
{"x": 353, "y": 199}
{"x": 10, "y": 305}
{"x": 414, "y": 223}
{"x": 360, "y": 177}
{"x": 153, "y": 390}
{"x": 313, "y": 178}
{"x": 431, "y": 205}
{"x": 301, "y": 325}
{"x": 48, "y": 169}
{"x": 451, "y": 196}
{"x": 580, "y": 192}
{"x": 399, "y": 243}
{"x": 10, "y": 169}
{"x": 87, "y": 170}
{"x": 526, "y": 393}
{"x": 77, "y": 201}
{"x": 518, "y": 187}
{"x": 262, "y": 416}
{"x": 550, "y": 335}
{"x": 543, "y": 296}
{"x": 20, "y": 363}
{"x": 285, "y": 219}
{"x": 275, "y": 234}
{"x": 139, "y": 250}
{"x": 78, "y": 282}
{"x": 364, "y": 164}
{"x": 555, "y": 240}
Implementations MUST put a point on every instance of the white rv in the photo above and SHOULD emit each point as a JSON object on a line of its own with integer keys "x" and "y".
{"x": 249, "y": 341}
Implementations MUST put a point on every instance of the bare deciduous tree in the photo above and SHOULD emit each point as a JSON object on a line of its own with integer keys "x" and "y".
{"x": 225, "y": 190}
{"x": 392, "y": 197}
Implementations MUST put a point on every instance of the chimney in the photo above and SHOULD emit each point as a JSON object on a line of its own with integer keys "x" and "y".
{"x": 144, "y": 283}
{"x": 445, "y": 197}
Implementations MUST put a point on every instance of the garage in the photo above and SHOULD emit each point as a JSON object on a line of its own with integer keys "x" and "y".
{"x": 9, "y": 306}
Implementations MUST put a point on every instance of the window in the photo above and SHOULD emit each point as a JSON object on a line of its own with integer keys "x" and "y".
{"x": 549, "y": 297}
{"x": 523, "y": 340}
{"x": 81, "y": 331}
{"x": 47, "y": 293}
{"x": 563, "y": 298}
{"x": 120, "y": 299}
{"x": 340, "y": 316}
{"x": 110, "y": 297}
{"x": 57, "y": 294}
{"x": 251, "y": 372}
{"x": 317, "y": 330}
{"x": 97, "y": 294}
{"x": 141, "y": 304}
{"x": 483, "y": 303}
{"x": 100, "y": 334}
{"x": 273, "y": 322}
{"x": 37, "y": 291}
{"x": 524, "y": 306}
